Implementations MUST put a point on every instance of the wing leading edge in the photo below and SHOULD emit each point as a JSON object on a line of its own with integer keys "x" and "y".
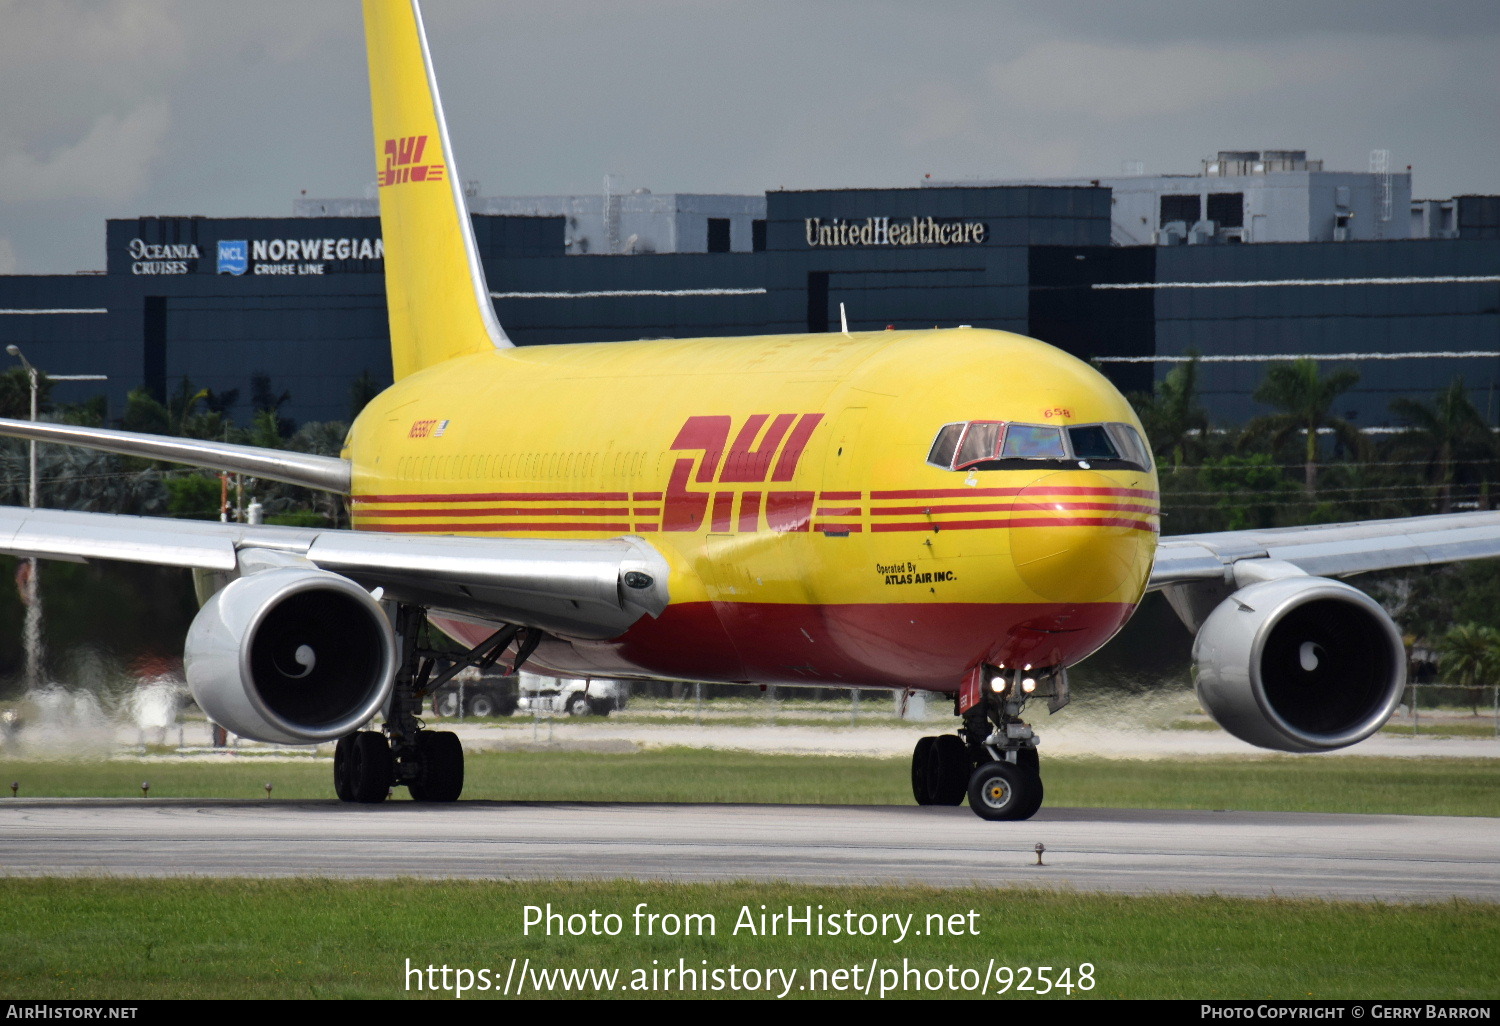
{"x": 1197, "y": 572}
{"x": 1328, "y": 550}
{"x": 323, "y": 473}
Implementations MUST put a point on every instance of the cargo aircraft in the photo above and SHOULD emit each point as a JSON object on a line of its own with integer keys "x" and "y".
{"x": 966, "y": 512}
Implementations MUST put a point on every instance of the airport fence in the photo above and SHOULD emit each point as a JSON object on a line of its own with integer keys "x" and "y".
{"x": 1424, "y": 700}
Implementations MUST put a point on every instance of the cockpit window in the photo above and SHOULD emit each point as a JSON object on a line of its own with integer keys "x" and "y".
{"x": 1133, "y": 448}
{"x": 1033, "y": 442}
{"x": 996, "y": 445}
{"x": 945, "y": 446}
{"x": 1092, "y": 442}
{"x": 980, "y": 441}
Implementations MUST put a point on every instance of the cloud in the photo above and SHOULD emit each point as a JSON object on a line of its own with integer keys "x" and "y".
{"x": 111, "y": 161}
{"x": 90, "y": 33}
{"x": 936, "y": 110}
{"x": 1075, "y": 77}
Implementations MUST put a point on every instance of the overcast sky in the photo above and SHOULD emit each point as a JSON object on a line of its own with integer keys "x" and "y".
{"x": 123, "y": 108}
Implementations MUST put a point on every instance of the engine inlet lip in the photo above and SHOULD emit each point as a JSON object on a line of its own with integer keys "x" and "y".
{"x": 1300, "y": 595}
{"x": 321, "y": 580}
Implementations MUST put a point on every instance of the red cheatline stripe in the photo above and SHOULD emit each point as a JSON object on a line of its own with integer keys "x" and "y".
{"x": 503, "y": 497}
{"x": 646, "y": 511}
{"x": 974, "y": 525}
{"x": 1029, "y": 490}
{"x": 501, "y": 511}
{"x": 839, "y": 511}
{"x": 646, "y": 496}
{"x": 851, "y": 528}
{"x": 435, "y": 528}
{"x": 643, "y": 528}
{"x": 1004, "y": 507}
{"x": 839, "y": 496}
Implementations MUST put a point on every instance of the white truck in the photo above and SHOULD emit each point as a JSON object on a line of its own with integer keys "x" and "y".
{"x": 571, "y": 696}
{"x": 472, "y": 693}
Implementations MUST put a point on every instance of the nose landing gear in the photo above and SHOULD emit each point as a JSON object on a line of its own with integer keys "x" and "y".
{"x": 1005, "y": 790}
{"x": 940, "y": 768}
{"x": 993, "y": 758}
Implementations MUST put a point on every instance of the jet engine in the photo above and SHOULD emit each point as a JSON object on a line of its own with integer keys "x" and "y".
{"x": 291, "y": 656}
{"x": 1299, "y": 664}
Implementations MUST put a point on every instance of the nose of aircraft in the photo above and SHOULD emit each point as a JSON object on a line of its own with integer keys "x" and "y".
{"x": 1078, "y": 536}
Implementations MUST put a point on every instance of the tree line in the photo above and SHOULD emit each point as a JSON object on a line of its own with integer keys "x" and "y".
{"x": 71, "y": 477}
{"x": 1301, "y": 463}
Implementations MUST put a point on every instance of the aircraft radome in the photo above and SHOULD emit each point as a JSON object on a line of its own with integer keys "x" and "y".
{"x": 962, "y": 511}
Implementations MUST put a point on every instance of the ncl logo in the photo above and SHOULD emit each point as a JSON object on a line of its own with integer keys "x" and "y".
{"x": 234, "y": 256}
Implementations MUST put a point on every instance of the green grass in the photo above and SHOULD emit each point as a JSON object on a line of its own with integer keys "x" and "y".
{"x": 1357, "y": 784}
{"x": 121, "y": 939}
{"x": 88, "y": 939}
{"x": 1443, "y": 728}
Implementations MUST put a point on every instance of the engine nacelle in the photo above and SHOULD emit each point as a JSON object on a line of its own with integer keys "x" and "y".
{"x": 291, "y": 656}
{"x": 1299, "y": 664}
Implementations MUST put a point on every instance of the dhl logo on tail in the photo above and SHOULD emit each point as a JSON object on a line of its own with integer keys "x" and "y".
{"x": 403, "y": 162}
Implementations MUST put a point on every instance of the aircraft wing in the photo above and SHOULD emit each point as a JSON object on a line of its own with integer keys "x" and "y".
{"x": 569, "y": 587}
{"x": 576, "y": 588}
{"x": 324, "y": 473}
{"x": 1325, "y": 550}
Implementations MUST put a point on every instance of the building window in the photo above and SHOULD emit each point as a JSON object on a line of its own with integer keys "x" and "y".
{"x": 1227, "y": 209}
{"x": 718, "y": 235}
{"x": 758, "y": 235}
{"x": 1187, "y": 209}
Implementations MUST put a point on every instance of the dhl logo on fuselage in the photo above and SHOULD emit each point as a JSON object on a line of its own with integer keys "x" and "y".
{"x": 403, "y": 162}
{"x": 721, "y": 482}
{"x": 760, "y": 452}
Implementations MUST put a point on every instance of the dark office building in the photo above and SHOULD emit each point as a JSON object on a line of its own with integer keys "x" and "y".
{"x": 301, "y": 299}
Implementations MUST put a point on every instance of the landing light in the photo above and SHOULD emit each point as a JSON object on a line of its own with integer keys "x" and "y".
{"x": 1028, "y": 685}
{"x": 997, "y": 685}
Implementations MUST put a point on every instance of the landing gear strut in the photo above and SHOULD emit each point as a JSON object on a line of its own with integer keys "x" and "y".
{"x": 993, "y": 758}
{"x": 368, "y": 764}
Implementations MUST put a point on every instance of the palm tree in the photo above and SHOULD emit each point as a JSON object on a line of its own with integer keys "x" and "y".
{"x": 1441, "y": 433}
{"x": 1172, "y": 416}
{"x": 1305, "y": 400}
{"x": 15, "y": 393}
{"x": 1470, "y": 657}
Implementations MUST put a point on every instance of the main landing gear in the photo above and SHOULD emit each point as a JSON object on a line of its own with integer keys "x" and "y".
{"x": 992, "y": 760}
{"x": 430, "y": 763}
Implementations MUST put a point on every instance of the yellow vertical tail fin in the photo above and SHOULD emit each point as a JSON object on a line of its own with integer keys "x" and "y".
{"x": 435, "y": 289}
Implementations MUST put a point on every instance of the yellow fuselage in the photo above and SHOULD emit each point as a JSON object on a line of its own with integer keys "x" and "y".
{"x": 785, "y": 480}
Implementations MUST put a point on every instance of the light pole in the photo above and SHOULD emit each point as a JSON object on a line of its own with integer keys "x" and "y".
{"x": 32, "y": 631}
{"x": 32, "y": 593}
{"x": 15, "y": 351}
